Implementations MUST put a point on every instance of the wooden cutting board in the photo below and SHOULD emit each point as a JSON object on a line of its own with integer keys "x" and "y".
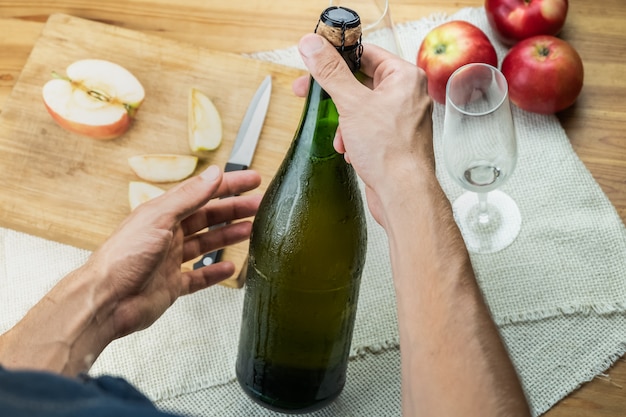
{"x": 74, "y": 190}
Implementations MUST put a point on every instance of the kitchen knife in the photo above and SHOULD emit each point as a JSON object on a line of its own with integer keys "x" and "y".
{"x": 244, "y": 147}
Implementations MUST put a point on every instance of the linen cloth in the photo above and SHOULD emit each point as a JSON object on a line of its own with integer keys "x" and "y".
{"x": 557, "y": 293}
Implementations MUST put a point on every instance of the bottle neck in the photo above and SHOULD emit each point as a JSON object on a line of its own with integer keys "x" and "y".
{"x": 320, "y": 122}
{"x": 320, "y": 118}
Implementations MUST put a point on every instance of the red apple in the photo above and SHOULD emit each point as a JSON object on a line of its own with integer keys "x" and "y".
{"x": 545, "y": 74}
{"x": 514, "y": 20}
{"x": 97, "y": 98}
{"x": 447, "y": 48}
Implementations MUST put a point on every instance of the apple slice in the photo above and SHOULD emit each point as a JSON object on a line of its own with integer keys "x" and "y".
{"x": 204, "y": 123}
{"x": 97, "y": 98}
{"x": 140, "y": 192}
{"x": 163, "y": 167}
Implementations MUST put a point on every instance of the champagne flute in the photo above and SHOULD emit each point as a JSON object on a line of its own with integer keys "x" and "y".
{"x": 480, "y": 153}
{"x": 376, "y": 23}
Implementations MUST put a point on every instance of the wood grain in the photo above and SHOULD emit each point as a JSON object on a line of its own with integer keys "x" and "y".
{"x": 73, "y": 189}
{"x": 595, "y": 125}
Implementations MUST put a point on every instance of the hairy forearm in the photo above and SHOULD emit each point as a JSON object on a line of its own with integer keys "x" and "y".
{"x": 64, "y": 332}
{"x": 453, "y": 360}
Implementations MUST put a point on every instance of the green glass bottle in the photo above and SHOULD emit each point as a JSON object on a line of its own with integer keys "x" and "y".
{"x": 307, "y": 251}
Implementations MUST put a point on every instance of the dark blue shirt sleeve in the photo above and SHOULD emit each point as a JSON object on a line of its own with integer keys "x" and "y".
{"x": 33, "y": 394}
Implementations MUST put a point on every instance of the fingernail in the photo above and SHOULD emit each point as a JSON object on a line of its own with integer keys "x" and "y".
{"x": 310, "y": 44}
{"x": 211, "y": 173}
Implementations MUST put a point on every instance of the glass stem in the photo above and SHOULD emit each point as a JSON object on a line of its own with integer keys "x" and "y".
{"x": 483, "y": 213}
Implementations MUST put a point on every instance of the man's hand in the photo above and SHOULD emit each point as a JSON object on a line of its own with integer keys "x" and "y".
{"x": 385, "y": 123}
{"x": 135, "y": 275}
{"x": 141, "y": 262}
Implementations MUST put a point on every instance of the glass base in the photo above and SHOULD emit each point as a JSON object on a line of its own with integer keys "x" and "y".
{"x": 490, "y": 233}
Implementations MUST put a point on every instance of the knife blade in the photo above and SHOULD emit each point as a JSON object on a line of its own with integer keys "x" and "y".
{"x": 243, "y": 149}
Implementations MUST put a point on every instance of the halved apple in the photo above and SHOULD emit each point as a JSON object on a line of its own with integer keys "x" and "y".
{"x": 163, "y": 167}
{"x": 140, "y": 192}
{"x": 97, "y": 98}
{"x": 204, "y": 123}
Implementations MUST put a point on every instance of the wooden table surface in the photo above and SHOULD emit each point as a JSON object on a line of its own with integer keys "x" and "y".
{"x": 595, "y": 124}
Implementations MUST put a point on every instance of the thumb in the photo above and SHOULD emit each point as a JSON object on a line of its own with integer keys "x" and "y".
{"x": 328, "y": 68}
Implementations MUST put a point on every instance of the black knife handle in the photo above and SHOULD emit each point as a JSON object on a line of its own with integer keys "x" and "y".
{"x": 234, "y": 167}
{"x": 216, "y": 256}
{"x": 209, "y": 258}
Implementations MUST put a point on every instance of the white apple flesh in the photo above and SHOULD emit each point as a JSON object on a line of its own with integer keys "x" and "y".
{"x": 98, "y": 98}
{"x": 163, "y": 167}
{"x": 204, "y": 123}
{"x": 140, "y": 192}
